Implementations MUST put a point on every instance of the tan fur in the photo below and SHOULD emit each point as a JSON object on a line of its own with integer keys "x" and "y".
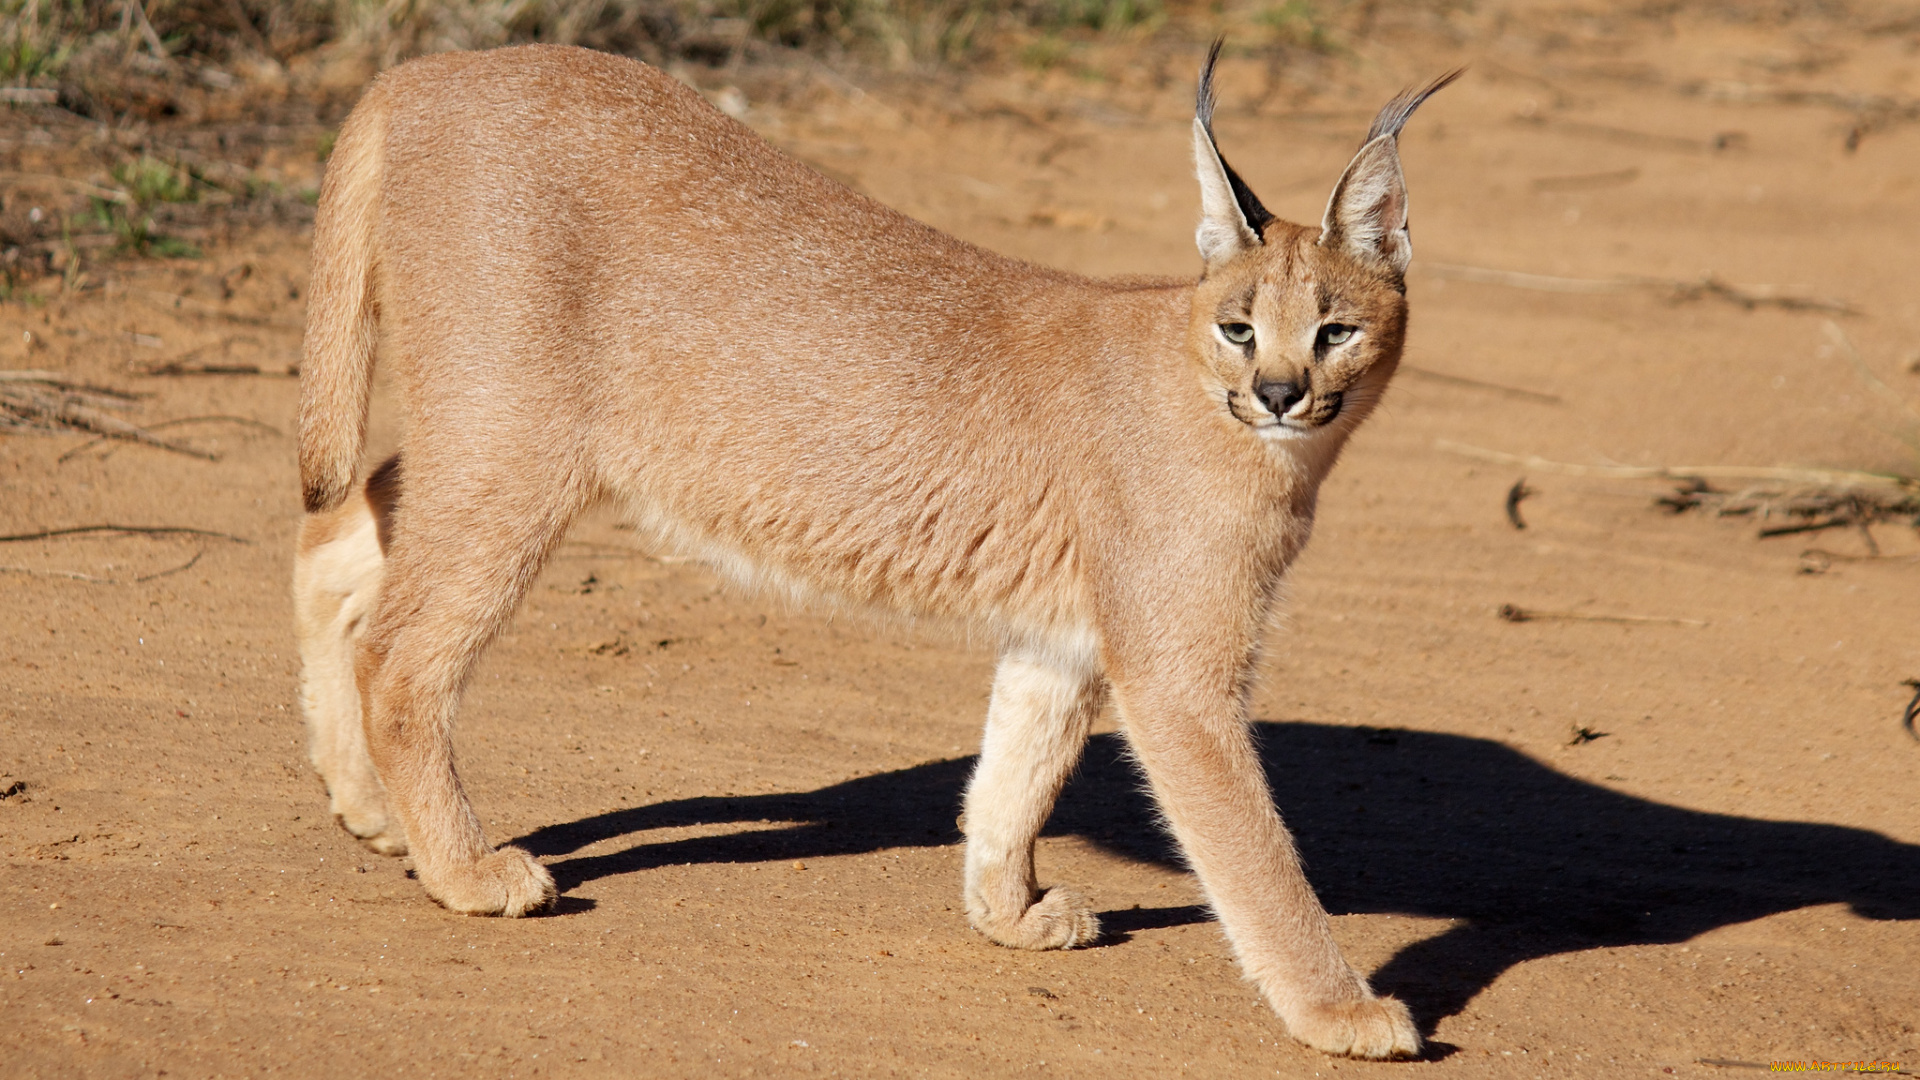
{"x": 594, "y": 286}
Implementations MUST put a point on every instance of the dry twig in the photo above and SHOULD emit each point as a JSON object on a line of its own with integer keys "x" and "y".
{"x": 244, "y": 421}
{"x": 1676, "y": 289}
{"x": 1821, "y": 477}
{"x": 23, "y": 405}
{"x": 1517, "y": 614}
{"x": 75, "y": 575}
{"x": 1515, "y": 494}
{"x": 186, "y": 366}
{"x": 1804, "y": 508}
{"x": 61, "y": 382}
{"x": 132, "y": 530}
{"x": 1480, "y": 384}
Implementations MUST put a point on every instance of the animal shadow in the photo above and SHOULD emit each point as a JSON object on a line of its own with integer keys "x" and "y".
{"x": 1530, "y": 862}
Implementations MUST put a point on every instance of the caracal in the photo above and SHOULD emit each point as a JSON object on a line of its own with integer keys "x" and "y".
{"x": 594, "y": 286}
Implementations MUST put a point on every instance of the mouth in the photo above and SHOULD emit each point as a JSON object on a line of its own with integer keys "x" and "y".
{"x": 1304, "y": 418}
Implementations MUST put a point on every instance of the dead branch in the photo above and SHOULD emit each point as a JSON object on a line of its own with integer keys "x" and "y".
{"x": 1831, "y": 478}
{"x": 1516, "y": 614}
{"x": 1752, "y": 296}
{"x": 1481, "y": 275}
{"x": 1478, "y": 384}
{"x": 28, "y": 407}
{"x": 1802, "y": 527}
{"x": 1677, "y": 289}
{"x": 219, "y": 418}
{"x": 70, "y": 575}
{"x": 184, "y": 420}
{"x": 131, "y": 530}
{"x": 183, "y": 567}
{"x": 184, "y": 366}
{"x": 1805, "y": 509}
{"x": 194, "y": 362}
{"x": 75, "y": 575}
{"x": 61, "y": 382}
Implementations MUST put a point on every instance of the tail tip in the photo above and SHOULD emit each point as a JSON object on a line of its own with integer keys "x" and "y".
{"x": 321, "y": 495}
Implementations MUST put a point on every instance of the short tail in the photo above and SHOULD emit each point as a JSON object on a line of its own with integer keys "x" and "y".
{"x": 336, "y": 372}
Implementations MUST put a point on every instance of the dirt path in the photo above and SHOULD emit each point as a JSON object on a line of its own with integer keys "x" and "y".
{"x": 751, "y": 810}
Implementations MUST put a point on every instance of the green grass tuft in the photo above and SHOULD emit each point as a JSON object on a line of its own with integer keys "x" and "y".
{"x": 149, "y": 180}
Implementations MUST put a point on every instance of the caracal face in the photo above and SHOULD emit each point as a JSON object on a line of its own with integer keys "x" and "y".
{"x": 1296, "y": 330}
{"x": 1295, "y": 340}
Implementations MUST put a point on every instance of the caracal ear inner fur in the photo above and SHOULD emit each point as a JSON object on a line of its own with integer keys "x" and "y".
{"x": 1107, "y": 478}
{"x": 1367, "y": 215}
{"x": 1231, "y": 217}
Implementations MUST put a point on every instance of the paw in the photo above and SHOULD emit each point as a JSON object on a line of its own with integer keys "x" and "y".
{"x": 390, "y": 842}
{"x": 371, "y": 826}
{"x": 504, "y": 882}
{"x": 1060, "y": 919}
{"x": 1370, "y": 1028}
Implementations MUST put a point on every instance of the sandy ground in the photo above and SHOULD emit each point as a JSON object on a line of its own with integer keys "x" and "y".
{"x": 750, "y": 809}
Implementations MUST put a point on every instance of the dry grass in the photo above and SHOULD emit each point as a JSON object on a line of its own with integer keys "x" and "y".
{"x": 191, "y": 97}
{"x": 157, "y": 58}
{"x": 122, "y": 56}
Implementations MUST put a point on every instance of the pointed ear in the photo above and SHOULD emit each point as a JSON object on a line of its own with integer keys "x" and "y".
{"x": 1367, "y": 215}
{"x": 1231, "y": 217}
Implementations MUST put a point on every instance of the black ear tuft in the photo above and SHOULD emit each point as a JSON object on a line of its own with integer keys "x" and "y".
{"x": 1203, "y": 99}
{"x": 1393, "y": 116}
{"x": 1256, "y": 215}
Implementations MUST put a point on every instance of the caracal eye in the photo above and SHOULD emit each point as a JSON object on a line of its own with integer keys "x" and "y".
{"x": 1336, "y": 334}
{"x": 1237, "y": 332}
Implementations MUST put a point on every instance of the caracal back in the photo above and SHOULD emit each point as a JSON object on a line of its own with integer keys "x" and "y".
{"x": 592, "y": 286}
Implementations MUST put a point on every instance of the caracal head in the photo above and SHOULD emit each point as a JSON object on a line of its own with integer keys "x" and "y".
{"x": 1296, "y": 330}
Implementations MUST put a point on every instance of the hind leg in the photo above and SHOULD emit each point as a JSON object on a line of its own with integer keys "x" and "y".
{"x": 336, "y": 580}
{"x": 467, "y": 540}
{"x": 1037, "y": 725}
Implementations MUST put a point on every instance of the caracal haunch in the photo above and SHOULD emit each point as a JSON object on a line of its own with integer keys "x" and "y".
{"x": 593, "y": 286}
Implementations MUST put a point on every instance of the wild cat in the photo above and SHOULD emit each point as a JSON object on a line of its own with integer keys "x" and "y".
{"x": 593, "y": 286}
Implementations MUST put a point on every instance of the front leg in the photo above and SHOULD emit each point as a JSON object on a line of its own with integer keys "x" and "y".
{"x": 1187, "y": 725}
{"x": 1037, "y": 725}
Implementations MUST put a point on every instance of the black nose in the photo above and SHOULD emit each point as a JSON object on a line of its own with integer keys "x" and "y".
{"x": 1281, "y": 396}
